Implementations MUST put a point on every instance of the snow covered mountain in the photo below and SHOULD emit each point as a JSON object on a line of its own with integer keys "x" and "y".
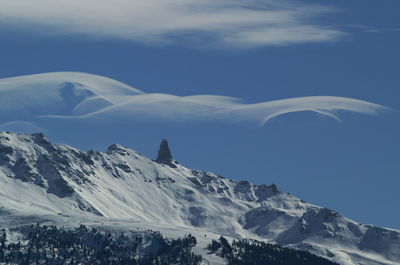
{"x": 46, "y": 182}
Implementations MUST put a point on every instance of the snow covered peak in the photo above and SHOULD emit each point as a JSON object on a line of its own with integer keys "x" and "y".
{"x": 116, "y": 148}
{"x": 39, "y": 179}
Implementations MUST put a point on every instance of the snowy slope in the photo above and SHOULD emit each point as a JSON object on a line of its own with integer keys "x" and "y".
{"x": 123, "y": 189}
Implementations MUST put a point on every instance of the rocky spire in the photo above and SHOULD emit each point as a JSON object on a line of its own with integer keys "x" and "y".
{"x": 164, "y": 154}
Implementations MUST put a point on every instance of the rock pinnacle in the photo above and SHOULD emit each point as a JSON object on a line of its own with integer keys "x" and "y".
{"x": 164, "y": 154}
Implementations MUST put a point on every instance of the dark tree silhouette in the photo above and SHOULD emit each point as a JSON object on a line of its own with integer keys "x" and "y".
{"x": 53, "y": 245}
{"x": 243, "y": 252}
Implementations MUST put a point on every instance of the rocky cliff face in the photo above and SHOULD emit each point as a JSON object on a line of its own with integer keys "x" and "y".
{"x": 39, "y": 178}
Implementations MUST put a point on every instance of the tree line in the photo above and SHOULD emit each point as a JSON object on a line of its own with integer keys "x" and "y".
{"x": 245, "y": 252}
{"x": 51, "y": 245}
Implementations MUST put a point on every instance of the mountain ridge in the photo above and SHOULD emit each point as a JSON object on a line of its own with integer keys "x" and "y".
{"x": 41, "y": 178}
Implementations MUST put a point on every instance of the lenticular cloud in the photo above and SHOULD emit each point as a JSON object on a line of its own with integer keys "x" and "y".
{"x": 42, "y": 98}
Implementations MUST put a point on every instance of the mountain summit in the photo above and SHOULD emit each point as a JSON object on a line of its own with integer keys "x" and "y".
{"x": 164, "y": 155}
{"x": 46, "y": 182}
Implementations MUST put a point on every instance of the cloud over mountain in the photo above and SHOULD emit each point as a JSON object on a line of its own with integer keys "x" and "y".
{"x": 30, "y": 100}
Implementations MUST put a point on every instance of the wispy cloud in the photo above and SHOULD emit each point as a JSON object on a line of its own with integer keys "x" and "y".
{"x": 78, "y": 96}
{"x": 237, "y": 23}
{"x": 370, "y": 29}
{"x": 20, "y": 127}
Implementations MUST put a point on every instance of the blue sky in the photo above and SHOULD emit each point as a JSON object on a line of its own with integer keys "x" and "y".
{"x": 239, "y": 49}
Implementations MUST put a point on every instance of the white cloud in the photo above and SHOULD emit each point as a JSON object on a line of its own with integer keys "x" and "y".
{"x": 79, "y": 96}
{"x": 238, "y": 23}
{"x": 21, "y": 127}
{"x": 225, "y": 109}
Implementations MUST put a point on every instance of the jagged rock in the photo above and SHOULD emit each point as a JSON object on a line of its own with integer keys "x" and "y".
{"x": 117, "y": 149}
{"x": 164, "y": 154}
